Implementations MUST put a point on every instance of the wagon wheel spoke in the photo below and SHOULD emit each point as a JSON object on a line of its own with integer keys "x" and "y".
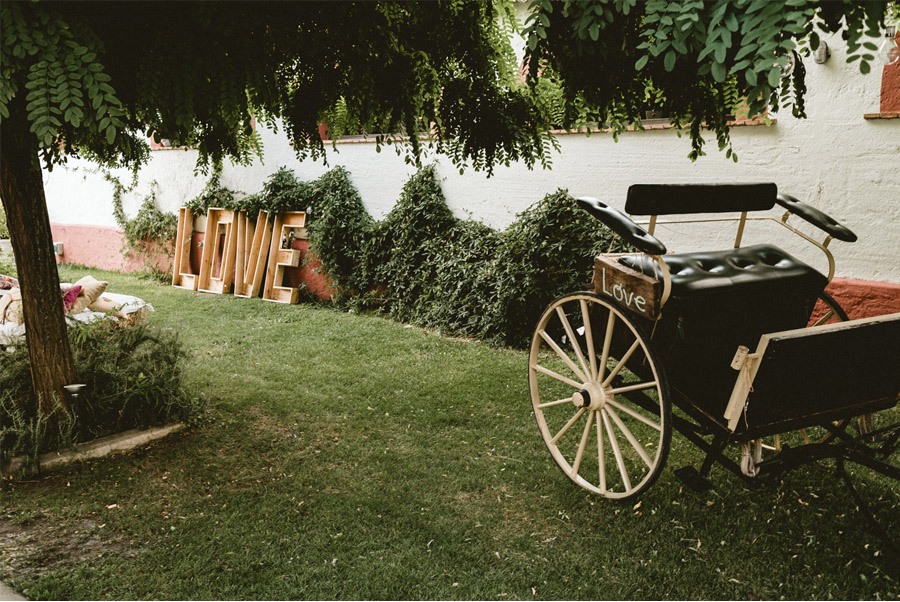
{"x": 635, "y": 415}
{"x": 558, "y": 402}
{"x": 568, "y": 425}
{"x": 629, "y": 388}
{"x": 627, "y": 356}
{"x": 558, "y": 377}
{"x": 584, "y": 439}
{"x": 629, "y": 437}
{"x": 607, "y": 341}
{"x": 589, "y": 337}
{"x": 614, "y": 444}
{"x": 563, "y": 356}
{"x": 571, "y": 334}
{"x": 825, "y": 319}
{"x": 601, "y": 454}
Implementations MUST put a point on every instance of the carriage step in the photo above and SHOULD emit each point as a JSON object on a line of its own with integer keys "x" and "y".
{"x": 691, "y": 477}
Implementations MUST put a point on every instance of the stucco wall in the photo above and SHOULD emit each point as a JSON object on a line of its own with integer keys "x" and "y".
{"x": 834, "y": 160}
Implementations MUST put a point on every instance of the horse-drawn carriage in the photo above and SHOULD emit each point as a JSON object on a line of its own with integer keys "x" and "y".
{"x": 745, "y": 343}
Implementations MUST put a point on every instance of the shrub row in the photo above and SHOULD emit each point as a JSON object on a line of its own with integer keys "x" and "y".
{"x": 423, "y": 265}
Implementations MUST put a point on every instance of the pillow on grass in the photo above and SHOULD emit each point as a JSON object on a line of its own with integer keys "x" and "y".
{"x": 69, "y": 297}
{"x": 11, "y": 307}
{"x": 91, "y": 289}
{"x": 106, "y": 305}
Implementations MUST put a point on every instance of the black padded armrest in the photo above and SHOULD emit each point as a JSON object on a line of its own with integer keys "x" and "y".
{"x": 623, "y": 225}
{"x": 817, "y": 218}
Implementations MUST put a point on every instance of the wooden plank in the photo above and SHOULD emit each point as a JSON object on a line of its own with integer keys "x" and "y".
{"x": 182, "y": 277}
{"x": 261, "y": 250}
{"x": 629, "y": 288}
{"x": 243, "y": 248}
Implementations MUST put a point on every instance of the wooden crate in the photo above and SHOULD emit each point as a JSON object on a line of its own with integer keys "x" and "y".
{"x": 631, "y": 289}
{"x": 219, "y": 248}
{"x": 281, "y": 257}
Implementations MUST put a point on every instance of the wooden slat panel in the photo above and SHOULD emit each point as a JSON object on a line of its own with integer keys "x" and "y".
{"x": 820, "y": 371}
{"x": 220, "y": 223}
{"x": 182, "y": 277}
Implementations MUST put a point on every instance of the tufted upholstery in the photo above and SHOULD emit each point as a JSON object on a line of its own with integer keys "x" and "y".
{"x": 761, "y": 268}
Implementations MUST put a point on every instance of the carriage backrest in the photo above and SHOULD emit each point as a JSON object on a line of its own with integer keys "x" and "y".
{"x": 669, "y": 199}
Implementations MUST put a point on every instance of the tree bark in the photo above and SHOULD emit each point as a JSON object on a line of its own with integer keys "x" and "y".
{"x": 22, "y": 194}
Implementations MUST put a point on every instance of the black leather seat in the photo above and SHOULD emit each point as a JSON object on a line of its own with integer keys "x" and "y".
{"x": 759, "y": 269}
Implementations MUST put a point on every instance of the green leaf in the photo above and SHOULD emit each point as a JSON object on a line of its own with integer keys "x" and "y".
{"x": 669, "y": 60}
{"x": 641, "y": 62}
{"x": 745, "y": 50}
{"x": 750, "y": 76}
{"x": 720, "y": 53}
{"x": 110, "y": 134}
{"x": 719, "y": 72}
{"x": 774, "y": 77}
{"x": 731, "y": 22}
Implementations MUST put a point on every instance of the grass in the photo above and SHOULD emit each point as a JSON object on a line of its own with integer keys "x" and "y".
{"x": 346, "y": 456}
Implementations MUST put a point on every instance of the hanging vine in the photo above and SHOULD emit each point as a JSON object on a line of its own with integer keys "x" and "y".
{"x": 149, "y": 234}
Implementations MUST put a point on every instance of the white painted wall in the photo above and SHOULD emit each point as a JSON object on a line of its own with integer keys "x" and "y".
{"x": 834, "y": 160}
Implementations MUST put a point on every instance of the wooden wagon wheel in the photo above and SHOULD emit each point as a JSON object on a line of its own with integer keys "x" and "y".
{"x": 600, "y": 397}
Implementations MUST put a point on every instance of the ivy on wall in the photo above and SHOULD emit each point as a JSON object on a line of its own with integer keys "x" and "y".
{"x": 149, "y": 233}
{"x": 423, "y": 265}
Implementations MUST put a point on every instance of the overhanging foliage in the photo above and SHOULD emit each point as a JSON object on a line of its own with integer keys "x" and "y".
{"x": 696, "y": 62}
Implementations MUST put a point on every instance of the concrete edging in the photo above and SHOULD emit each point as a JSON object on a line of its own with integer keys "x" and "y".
{"x": 98, "y": 448}
{"x": 9, "y": 594}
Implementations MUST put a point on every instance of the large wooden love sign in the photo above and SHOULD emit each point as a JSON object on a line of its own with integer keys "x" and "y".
{"x": 631, "y": 289}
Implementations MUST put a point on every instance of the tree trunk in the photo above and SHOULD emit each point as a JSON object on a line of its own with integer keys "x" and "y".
{"x": 22, "y": 193}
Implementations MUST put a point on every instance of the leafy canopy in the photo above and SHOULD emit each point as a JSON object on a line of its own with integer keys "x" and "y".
{"x": 100, "y": 76}
{"x": 697, "y": 62}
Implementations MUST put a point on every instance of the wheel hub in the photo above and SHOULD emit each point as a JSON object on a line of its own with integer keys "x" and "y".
{"x": 592, "y": 396}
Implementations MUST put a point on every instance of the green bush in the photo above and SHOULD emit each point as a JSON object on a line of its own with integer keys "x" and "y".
{"x": 423, "y": 265}
{"x": 4, "y": 231}
{"x": 133, "y": 377}
{"x": 548, "y": 251}
{"x": 401, "y": 257}
{"x": 149, "y": 234}
{"x": 339, "y": 231}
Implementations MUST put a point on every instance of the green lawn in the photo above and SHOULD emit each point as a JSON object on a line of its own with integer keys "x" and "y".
{"x": 346, "y": 456}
